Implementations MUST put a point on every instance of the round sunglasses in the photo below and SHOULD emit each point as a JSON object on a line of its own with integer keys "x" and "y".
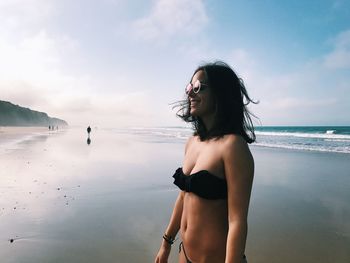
{"x": 196, "y": 87}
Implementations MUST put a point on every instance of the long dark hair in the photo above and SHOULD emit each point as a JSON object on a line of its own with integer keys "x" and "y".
{"x": 231, "y": 99}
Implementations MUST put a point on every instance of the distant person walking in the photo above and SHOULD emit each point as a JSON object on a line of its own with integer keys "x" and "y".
{"x": 88, "y": 139}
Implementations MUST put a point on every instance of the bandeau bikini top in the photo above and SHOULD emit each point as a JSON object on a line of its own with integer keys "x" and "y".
{"x": 202, "y": 183}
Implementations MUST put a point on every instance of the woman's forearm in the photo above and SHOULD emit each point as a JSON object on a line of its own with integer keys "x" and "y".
{"x": 236, "y": 240}
{"x": 175, "y": 219}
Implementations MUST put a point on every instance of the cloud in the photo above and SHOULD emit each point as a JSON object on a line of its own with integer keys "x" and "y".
{"x": 297, "y": 103}
{"x": 309, "y": 94}
{"x": 24, "y": 16}
{"x": 32, "y": 68}
{"x": 33, "y": 60}
{"x": 340, "y": 56}
{"x": 169, "y": 18}
{"x": 22, "y": 93}
{"x": 32, "y": 55}
{"x": 242, "y": 62}
{"x": 294, "y": 98}
{"x": 114, "y": 110}
{"x": 33, "y": 76}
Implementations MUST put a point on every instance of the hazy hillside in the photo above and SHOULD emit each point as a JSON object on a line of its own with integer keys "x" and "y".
{"x": 14, "y": 115}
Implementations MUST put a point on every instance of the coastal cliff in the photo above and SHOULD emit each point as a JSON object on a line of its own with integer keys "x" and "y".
{"x": 15, "y": 115}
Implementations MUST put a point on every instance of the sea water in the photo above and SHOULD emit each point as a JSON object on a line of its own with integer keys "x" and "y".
{"x": 310, "y": 138}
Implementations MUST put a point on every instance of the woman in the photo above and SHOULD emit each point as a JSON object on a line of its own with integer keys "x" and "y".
{"x": 217, "y": 173}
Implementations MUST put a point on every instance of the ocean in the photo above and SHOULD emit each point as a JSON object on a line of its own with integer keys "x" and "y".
{"x": 305, "y": 138}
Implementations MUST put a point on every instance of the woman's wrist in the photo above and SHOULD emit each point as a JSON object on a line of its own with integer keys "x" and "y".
{"x": 166, "y": 245}
{"x": 168, "y": 239}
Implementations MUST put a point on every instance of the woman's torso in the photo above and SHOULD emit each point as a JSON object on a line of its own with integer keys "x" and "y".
{"x": 204, "y": 222}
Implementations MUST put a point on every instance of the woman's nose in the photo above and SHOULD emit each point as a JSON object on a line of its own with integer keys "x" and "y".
{"x": 191, "y": 94}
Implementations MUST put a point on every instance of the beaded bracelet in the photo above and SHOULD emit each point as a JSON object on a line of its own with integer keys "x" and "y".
{"x": 170, "y": 240}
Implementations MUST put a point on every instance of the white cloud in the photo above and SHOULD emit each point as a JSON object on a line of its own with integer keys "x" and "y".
{"x": 34, "y": 73}
{"x": 23, "y": 16}
{"x": 33, "y": 65}
{"x": 241, "y": 58}
{"x": 32, "y": 76}
{"x": 31, "y": 58}
{"x": 310, "y": 94}
{"x": 340, "y": 56}
{"x": 171, "y": 17}
{"x": 243, "y": 63}
{"x": 22, "y": 93}
{"x": 114, "y": 110}
{"x": 297, "y": 103}
{"x": 294, "y": 98}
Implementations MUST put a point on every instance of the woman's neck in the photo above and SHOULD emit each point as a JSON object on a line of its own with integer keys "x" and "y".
{"x": 208, "y": 121}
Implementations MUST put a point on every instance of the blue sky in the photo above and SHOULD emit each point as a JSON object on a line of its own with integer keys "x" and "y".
{"x": 118, "y": 63}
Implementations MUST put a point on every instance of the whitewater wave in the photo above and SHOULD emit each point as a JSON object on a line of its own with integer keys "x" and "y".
{"x": 182, "y": 133}
{"x": 306, "y": 135}
{"x": 305, "y": 147}
{"x": 327, "y": 141}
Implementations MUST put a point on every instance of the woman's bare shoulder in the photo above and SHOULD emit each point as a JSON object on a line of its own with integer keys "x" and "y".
{"x": 234, "y": 144}
{"x": 234, "y": 140}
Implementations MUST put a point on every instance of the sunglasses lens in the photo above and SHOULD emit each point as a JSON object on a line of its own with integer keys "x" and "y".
{"x": 188, "y": 88}
{"x": 196, "y": 87}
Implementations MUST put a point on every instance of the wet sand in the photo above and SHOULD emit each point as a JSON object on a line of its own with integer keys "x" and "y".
{"x": 299, "y": 208}
{"x": 11, "y": 136}
{"x": 62, "y": 200}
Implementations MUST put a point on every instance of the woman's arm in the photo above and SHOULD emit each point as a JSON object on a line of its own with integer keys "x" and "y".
{"x": 171, "y": 231}
{"x": 239, "y": 172}
{"x": 175, "y": 219}
{"x": 174, "y": 224}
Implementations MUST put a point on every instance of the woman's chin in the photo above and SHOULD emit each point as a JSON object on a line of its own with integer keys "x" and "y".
{"x": 194, "y": 112}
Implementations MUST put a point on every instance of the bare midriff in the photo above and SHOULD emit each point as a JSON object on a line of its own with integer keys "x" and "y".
{"x": 204, "y": 228}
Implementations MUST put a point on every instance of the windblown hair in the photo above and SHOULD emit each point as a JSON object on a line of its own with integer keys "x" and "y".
{"x": 231, "y": 100}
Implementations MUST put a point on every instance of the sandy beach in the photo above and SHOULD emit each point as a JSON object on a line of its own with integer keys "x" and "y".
{"x": 62, "y": 200}
{"x": 15, "y": 134}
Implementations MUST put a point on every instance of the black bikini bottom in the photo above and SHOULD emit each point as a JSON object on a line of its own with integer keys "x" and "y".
{"x": 182, "y": 245}
{"x": 189, "y": 261}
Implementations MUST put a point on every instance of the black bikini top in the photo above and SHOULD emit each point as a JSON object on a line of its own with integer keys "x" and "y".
{"x": 201, "y": 183}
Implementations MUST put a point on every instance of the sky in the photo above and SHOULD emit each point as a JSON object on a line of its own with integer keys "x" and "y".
{"x": 121, "y": 63}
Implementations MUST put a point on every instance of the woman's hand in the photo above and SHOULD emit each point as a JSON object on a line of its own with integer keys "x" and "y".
{"x": 163, "y": 254}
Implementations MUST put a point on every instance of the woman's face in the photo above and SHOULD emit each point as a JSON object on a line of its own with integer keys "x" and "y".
{"x": 201, "y": 103}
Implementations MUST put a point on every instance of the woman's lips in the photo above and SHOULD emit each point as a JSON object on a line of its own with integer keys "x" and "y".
{"x": 194, "y": 102}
